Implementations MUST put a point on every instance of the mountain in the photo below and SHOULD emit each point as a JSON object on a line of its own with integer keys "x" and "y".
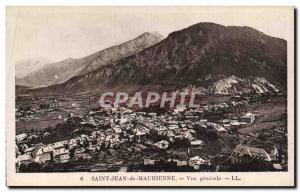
{"x": 25, "y": 67}
{"x": 53, "y": 73}
{"x": 199, "y": 55}
{"x": 116, "y": 53}
{"x": 60, "y": 72}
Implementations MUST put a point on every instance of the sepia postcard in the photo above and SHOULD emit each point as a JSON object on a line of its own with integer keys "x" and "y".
{"x": 150, "y": 96}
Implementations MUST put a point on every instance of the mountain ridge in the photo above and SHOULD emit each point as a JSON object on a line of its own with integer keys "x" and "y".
{"x": 197, "y": 55}
{"x": 27, "y": 66}
{"x": 59, "y": 72}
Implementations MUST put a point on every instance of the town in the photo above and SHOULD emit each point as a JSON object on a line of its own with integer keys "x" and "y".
{"x": 221, "y": 133}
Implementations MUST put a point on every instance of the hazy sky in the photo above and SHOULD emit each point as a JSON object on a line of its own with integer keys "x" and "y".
{"x": 57, "y": 33}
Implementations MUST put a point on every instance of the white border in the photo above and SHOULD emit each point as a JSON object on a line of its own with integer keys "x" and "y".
{"x": 104, "y": 2}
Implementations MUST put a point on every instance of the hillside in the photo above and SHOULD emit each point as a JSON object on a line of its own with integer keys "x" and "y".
{"x": 199, "y": 55}
{"x": 62, "y": 71}
{"x": 25, "y": 67}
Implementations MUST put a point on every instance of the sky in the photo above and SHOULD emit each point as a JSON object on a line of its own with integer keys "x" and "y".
{"x": 58, "y": 33}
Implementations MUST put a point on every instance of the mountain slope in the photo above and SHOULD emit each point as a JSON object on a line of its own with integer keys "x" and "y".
{"x": 53, "y": 73}
{"x": 198, "y": 55}
{"x": 25, "y": 67}
{"x": 233, "y": 85}
{"x": 60, "y": 72}
{"x": 205, "y": 52}
{"x": 124, "y": 50}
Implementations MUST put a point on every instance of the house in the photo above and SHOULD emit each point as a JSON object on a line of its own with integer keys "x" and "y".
{"x": 79, "y": 150}
{"x": 48, "y": 148}
{"x": 123, "y": 120}
{"x": 59, "y": 144}
{"x": 173, "y": 126}
{"x": 96, "y": 133}
{"x": 141, "y": 134}
{"x": 197, "y": 161}
{"x": 24, "y": 159}
{"x": 217, "y": 127}
{"x": 197, "y": 143}
{"x": 84, "y": 137}
{"x": 160, "y": 130}
{"x": 139, "y": 147}
{"x": 203, "y": 120}
{"x": 187, "y": 135}
{"x": 29, "y": 150}
{"x": 235, "y": 125}
{"x": 163, "y": 144}
{"x": 21, "y": 137}
{"x": 179, "y": 109}
{"x": 46, "y": 134}
{"x": 182, "y": 163}
{"x": 152, "y": 114}
{"x": 248, "y": 118}
{"x": 224, "y": 121}
{"x": 72, "y": 143}
{"x": 44, "y": 149}
{"x": 117, "y": 129}
{"x": 61, "y": 154}
{"x": 149, "y": 162}
{"x": 31, "y": 137}
{"x": 43, "y": 158}
{"x": 64, "y": 157}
